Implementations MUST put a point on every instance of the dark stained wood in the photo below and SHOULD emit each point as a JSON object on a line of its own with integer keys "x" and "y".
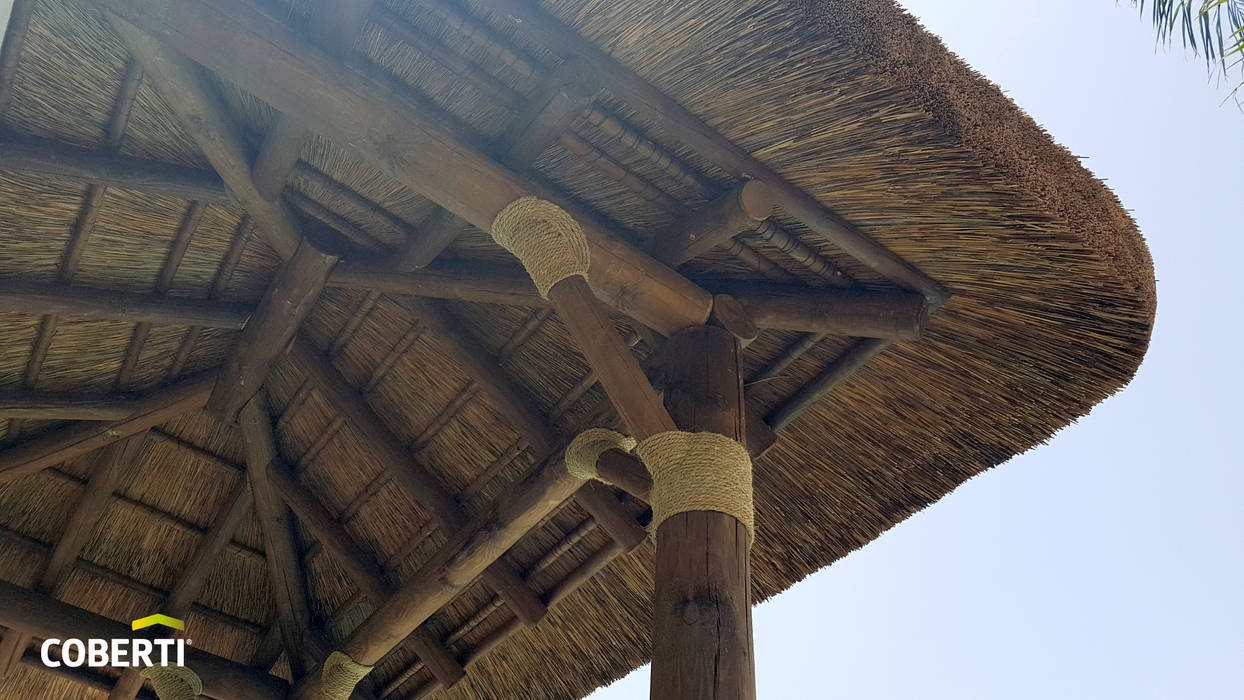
{"x": 37, "y": 405}
{"x": 601, "y": 503}
{"x": 619, "y": 372}
{"x": 193, "y": 576}
{"x": 728, "y": 313}
{"x": 105, "y": 168}
{"x": 42, "y": 616}
{"x": 702, "y": 625}
{"x": 57, "y": 446}
{"x": 470, "y": 551}
{"x": 409, "y": 473}
{"x": 567, "y": 93}
{"x": 717, "y": 222}
{"x": 394, "y": 132}
{"x": 834, "y": 374}
{"x": 334, "y": 25}
{"x": 290, "y": 297}
{"x": 658, "y": 108}
{"x": 284, "y": 571}
{"x": 207, "y": 121}
{"x": 19, "y": 296}
{"x": 111, "y": 465}
{"x": 11, "y": 49}
{"x": 858, "y": 313}
{"x": 485, "y": 285}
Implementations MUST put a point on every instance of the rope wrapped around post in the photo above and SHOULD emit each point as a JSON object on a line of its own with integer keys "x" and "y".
{"x": 339, "y": 677}
{"x": 173, "y": 682}
{"x": 546, "y": 240}
{"x": 690, "y": 471}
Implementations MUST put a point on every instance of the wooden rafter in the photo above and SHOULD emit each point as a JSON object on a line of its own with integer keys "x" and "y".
{"x": 39, "y": 405}
{"x": 111, "y": 465}
{"x": 194, "y": 575}
{"x": 19, "y": 296}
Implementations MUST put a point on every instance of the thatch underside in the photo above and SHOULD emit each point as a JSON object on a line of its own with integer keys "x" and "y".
{"x": 1053, "y": 301}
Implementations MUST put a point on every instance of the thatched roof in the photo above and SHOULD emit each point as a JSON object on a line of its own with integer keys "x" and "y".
{"x": 1053, "y": 302}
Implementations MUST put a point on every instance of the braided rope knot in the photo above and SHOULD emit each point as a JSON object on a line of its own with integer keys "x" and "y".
{"x": 698, "y": 471}
{"x": 173, "y": 682}
{"x": 546, "y": 240}
{"x": 589, "y": 445}
{"x": 340, "y": 675}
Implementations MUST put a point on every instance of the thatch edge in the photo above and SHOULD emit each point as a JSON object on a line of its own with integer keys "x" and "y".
{"x": 990, "y": 125}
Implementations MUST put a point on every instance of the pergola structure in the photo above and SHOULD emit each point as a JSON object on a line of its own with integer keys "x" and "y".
{"x": 272, "y": 368}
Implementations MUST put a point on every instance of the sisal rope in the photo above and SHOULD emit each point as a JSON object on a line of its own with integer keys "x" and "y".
{"x": 546, "y": 240}
{"x": 340, "y": 675}
{"x": 698, "y": 471}
{"x": 589, "y": 445}
{"x": 173, "y": 682}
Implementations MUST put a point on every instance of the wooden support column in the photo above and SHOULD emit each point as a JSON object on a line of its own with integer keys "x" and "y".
{"x": 193, "y": 576}
{"x": 702, "y": 636}
{"x": 42, "y": 616}
{"x": 110, "y": 467}
{"x": 281, "y": 554}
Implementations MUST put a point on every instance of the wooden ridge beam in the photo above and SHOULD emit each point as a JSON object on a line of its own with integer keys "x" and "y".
{"x": 655, "y": 106}
{"x": 111, "y": 464}
{"x": 45, "y": 617}
{"x": 105, "y": 168}
{"x": 284, "y": 570}
{"x": 407, "y": 470}
{"x": 193, "y": 576}
{"x": 20, "y": 296}
{"x": 159, "y": 406}
{"x": 290, "y": 297}
{"x": 547, "y": 115}
{"x": 334, "y": 25}
{"x": 354, "y": 107}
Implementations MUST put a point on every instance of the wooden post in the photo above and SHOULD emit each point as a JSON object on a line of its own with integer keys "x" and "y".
{"x": 702, "y": 636}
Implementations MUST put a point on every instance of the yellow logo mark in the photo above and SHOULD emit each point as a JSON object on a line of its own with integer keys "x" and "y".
{"x": 157, "y": 619}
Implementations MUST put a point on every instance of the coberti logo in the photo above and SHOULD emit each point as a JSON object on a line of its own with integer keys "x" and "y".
{"x": 135, "y": 653}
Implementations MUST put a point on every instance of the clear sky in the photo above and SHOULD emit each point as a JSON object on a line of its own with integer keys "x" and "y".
{"x": 1110, "y": 562}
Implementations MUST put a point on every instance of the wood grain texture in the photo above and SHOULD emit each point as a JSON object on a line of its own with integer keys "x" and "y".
{"x": 41, "y": 405}
{"x": 702, "y": 625}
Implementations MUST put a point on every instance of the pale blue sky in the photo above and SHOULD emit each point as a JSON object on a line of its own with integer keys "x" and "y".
{"x": 1107, "y": 564}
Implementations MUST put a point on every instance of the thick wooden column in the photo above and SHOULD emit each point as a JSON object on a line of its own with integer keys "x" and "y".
{"x": 702, "y": 634}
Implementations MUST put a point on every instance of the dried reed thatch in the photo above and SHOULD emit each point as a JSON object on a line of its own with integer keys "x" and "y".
{"x": 1053, "y": 301}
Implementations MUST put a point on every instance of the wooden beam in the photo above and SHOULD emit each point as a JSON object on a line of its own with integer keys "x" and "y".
{"x": 58, "y": 446}
{"x": 734, "y": 212}
{"x": 193, "y": 576}
{"x": 284, "y": 570}
{"x": 353, "y": 107}
{"x": 547, "y": 115}
{"x": 860, "y": 313}
{"x": 363, "y": 569}
{"x": 407, "y": 470}
{"x": 334, "y": 24}
{"x": 111, "y": 465}
{"x": 45, "y": 617}
{"x": 42, "y": 405}
{"x": 658, "y": 108}
{"x": 473, "y": 283}
{"x": 468, "y": 553}
{"x": 100, "y": 167}
{"x": 702, "y": 631}
{"x": 81, "y": 676}
{"x": 290, "y": 297}
{"x": 601, "y": 503}
{"x": 834, "y": 374}
{"x": 207, "y": 121}
{"x": 11, "y": 49}
{"x": 19, "y": 296}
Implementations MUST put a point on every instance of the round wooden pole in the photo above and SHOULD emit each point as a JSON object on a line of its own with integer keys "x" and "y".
{"x": 702, "y": 638}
